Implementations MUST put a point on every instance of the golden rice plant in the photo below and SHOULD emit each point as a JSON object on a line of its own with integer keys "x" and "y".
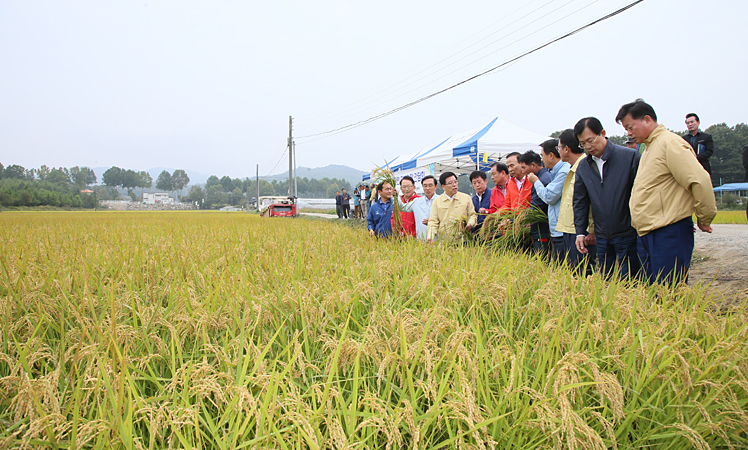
{"x": 192, "y": 330}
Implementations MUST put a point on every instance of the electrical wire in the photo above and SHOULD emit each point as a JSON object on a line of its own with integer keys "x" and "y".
{"x": 486, "y": 72}
{"x": 358, "y": 99}
{"x": 561, "y": 18}
{"x": 276, "y": 164}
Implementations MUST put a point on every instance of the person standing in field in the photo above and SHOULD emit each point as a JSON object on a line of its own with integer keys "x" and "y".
{"x": 531, "y": 164}
{"x": 422, "y": 206}
{"x": 701, "y": 143}
{"x": 356, "y": 204}
{"x": 570, "y": 152}
{"x": 603, "y": 185}
{"x": 500, "y": 176}
{"x": 407, "y": 219}
{"x": 669, "y": 187}
{"x": 518, "y": 190}
{"x": 448, "y": 208}
{"x": 346, "y": 202}
{"x": 378, "y": 221}
{"x": 339, "y": 204}
{"x": 482, "y": 197}
{"x": 363, "y": 191}
{"x": 550, "y": 193}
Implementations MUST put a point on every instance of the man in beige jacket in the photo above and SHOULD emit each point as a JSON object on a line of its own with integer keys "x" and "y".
{"x": 448, "y": 208}
{"x": 669, "y": 186}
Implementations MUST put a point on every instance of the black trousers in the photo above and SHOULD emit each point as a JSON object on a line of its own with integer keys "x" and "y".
{"x": 346, "y": 211}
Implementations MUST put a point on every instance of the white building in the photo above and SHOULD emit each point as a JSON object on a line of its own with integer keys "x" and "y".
{"x": 157, "y": 197}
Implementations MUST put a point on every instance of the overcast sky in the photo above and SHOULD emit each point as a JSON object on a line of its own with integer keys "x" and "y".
{"x": 209, "y": 86}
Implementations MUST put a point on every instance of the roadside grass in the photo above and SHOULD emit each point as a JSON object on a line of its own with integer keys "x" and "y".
{"x": 209, "y": 330}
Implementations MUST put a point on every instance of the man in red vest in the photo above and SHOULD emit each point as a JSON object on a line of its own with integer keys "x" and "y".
{"x": 518, "y": 189}
{"x": 408, "y": 220}
{"x": 500, "y": 177}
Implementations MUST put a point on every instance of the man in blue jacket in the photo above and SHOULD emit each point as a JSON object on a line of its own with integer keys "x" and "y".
{"x": 603, "y": 183}
{"x": 380, "y": 212}
{"x": 531, "y": 164}
{"x": 482, "y": 197}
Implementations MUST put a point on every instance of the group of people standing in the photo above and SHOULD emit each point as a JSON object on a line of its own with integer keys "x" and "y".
{"x": 626, "y": 211}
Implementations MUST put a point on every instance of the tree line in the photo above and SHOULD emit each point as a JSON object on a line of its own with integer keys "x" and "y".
{"x": 45, "y": 186}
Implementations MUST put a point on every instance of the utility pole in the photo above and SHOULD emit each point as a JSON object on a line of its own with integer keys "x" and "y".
{"x": 290, "y": 156}
{"x": 257, "y": 199}
{"x": 295, "y": 175}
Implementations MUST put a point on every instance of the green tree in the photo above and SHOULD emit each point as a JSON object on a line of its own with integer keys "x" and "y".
{"x": 14, "y": 171}
{"x": 81, "y": 176}
{"x": 42, "y": 172}
{"x": 179, "y": 180}
{"x": 197, "y": 194}
{"x": 112, "y": 178}
{"x": 163, "y": 181}
{"x": 726, "y": 162}
{"x": 59, "y": 175}
{"x": 212, "y": 181}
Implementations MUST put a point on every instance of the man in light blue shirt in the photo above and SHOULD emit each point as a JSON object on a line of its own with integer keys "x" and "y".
{"x": 551, "y": 193}
{"x": 422, "y": 206}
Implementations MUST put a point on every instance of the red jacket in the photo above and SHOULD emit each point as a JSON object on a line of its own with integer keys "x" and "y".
{"x": 497, "y": 200}
{"x": 517, "y": 197}
{"x": 407, "y": 218}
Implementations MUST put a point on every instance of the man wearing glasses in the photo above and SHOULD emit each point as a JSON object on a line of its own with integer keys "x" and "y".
{"x": 448, "y": 208}
{"x": 603, "y": 184}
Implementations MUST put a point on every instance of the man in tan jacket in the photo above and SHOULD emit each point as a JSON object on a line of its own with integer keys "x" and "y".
{"x": 448, "y": 208}
{"x": 669, "y": 186}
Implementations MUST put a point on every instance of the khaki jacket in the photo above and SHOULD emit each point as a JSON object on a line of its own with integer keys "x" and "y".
{"x": 670, "y": 185}
{"x": 445, "y": 212}
{"x": 566, "y": 213}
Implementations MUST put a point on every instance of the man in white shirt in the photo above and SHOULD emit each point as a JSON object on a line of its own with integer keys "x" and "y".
{"x": 422, "y": 206}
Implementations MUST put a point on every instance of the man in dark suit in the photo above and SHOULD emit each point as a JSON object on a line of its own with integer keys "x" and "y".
{"x": 701, "y": 143}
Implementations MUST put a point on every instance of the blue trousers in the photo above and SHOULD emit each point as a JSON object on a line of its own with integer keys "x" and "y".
{"x": 665, "y": 253}
{"x": 618, "y": 252}
{"x": 577, "y": 260}
{"x": 559, "y": 249}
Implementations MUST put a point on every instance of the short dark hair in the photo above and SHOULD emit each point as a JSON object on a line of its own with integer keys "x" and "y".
{"x": 478, "y": 174}
{"x": 549, "y": 147}
{"x": 588, "y": 122}
{"x": 530, "y": 157}
{"x": 569, "y": 139}
{"x": 446, "y": 176}
{"x": 380, "y": 186}
{"x": 638, "y": 109}
{"x": 501, "y": 167}
{"x": 694, "y": 115}
{"x": 409, "y": 178}
{"x": 511, "y": 154}
{"x": 429, "y": 177}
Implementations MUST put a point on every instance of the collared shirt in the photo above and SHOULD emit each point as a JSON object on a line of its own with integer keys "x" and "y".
{"x": 552, "y": 192}
{"x": 379, "y": 218}
{"x": 422, "y": 210}
{"x": 600, "y": 162}
{"x": 498, "y": 194}
{"x": 446, "y": 210}
{"x": 518, "y": 194}
{"x": 565, "y": 223}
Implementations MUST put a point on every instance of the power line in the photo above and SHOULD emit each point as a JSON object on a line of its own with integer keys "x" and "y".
{"x": 561, "y": 18}
{"x": 276, "y": 164}
{"x": 361, "y": 97}
{"x": 486, "y": 72}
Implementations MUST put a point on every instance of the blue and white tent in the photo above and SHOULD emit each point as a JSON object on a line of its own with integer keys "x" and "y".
{"x": 469, "y": 150}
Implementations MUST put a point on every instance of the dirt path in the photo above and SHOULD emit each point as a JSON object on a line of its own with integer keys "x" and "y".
{"x": 722, "y": 259}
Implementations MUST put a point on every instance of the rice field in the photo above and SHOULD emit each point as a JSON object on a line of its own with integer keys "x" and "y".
{"x": 729, "y": 217}
{"x": 215, "y": 331}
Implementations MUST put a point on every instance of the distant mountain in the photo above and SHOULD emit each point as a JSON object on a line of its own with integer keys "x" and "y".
{"x": 350, "y": 174}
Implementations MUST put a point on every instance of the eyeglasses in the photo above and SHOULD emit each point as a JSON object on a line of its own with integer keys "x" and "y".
{"x": 588, "y": 143}
{"x": 452, "y": 182}
{"x": 558, "y": 148}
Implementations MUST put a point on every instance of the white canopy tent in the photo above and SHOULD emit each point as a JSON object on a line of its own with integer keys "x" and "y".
{"x": 470, "y": 150}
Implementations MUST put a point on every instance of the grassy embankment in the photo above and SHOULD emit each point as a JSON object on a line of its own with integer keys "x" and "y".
{"x": 185, "y": 330}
